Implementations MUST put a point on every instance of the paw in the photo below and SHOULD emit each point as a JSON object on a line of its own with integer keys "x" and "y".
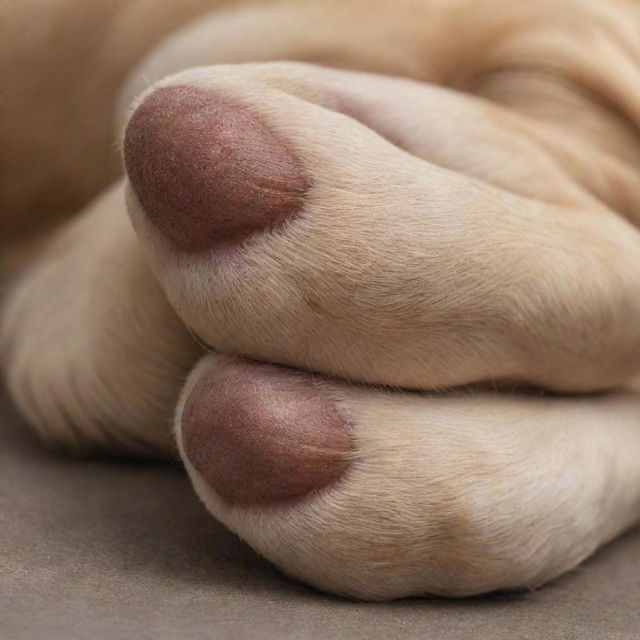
{"x": 284, "y": 225}
{"x": 378, "y": 495}
{"x": 318, "y": 230}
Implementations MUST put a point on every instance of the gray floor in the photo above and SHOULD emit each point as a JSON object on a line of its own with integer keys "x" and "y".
{"x": 112, "y": 549}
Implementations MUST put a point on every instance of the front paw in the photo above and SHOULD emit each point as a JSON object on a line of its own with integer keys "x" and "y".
{"x": 358, "y": 226}
{"x": 378, "y": 495}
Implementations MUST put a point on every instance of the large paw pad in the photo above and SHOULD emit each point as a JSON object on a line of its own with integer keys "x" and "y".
{"x": 261, "y": 433}
{"x": 206, "y": 170}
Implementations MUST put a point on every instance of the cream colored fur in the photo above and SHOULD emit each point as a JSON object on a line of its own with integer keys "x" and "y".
{"x": 497, "y": 247}
{"x": 389, "y": 315}
{"x": 455, "y": 495}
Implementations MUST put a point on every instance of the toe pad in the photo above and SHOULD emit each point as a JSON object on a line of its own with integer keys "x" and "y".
{"x": 206, "y": 170}
{"x": 262, "y": 433}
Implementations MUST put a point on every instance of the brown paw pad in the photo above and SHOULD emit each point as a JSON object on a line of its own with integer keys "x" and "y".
{"x": 206, "y": 171}
{"x": 261, "y": 433}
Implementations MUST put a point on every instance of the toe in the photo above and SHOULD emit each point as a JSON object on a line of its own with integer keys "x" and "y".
{"x": 206, "y": 171}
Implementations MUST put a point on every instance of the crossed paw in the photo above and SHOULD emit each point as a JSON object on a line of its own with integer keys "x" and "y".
{"x": 308, "y": 242}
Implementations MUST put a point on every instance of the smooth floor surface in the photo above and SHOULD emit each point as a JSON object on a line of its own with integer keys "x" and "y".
{"x": 114, "y": 549}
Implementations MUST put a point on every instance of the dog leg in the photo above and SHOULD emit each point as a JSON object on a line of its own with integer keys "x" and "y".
{"x": 93, "y": 354}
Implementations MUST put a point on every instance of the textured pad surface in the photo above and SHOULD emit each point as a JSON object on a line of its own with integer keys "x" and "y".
{"x": 206, "y": 171}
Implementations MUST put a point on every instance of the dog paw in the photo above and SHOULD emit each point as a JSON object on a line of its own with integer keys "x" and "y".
{"x": 377, "y": 230}
{"x": 377, "y": 495}
{"x": 366, "y": 228}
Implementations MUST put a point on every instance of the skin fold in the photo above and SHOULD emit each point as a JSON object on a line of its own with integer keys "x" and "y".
{"x": 345, "y": 248}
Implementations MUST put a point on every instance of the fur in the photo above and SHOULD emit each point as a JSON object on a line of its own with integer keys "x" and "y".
{"x": 470, "y": 218}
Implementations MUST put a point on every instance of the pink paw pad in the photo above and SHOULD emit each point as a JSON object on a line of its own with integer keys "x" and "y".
{"x": 260, "y": 433}
{"x": 206, "y": 171}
